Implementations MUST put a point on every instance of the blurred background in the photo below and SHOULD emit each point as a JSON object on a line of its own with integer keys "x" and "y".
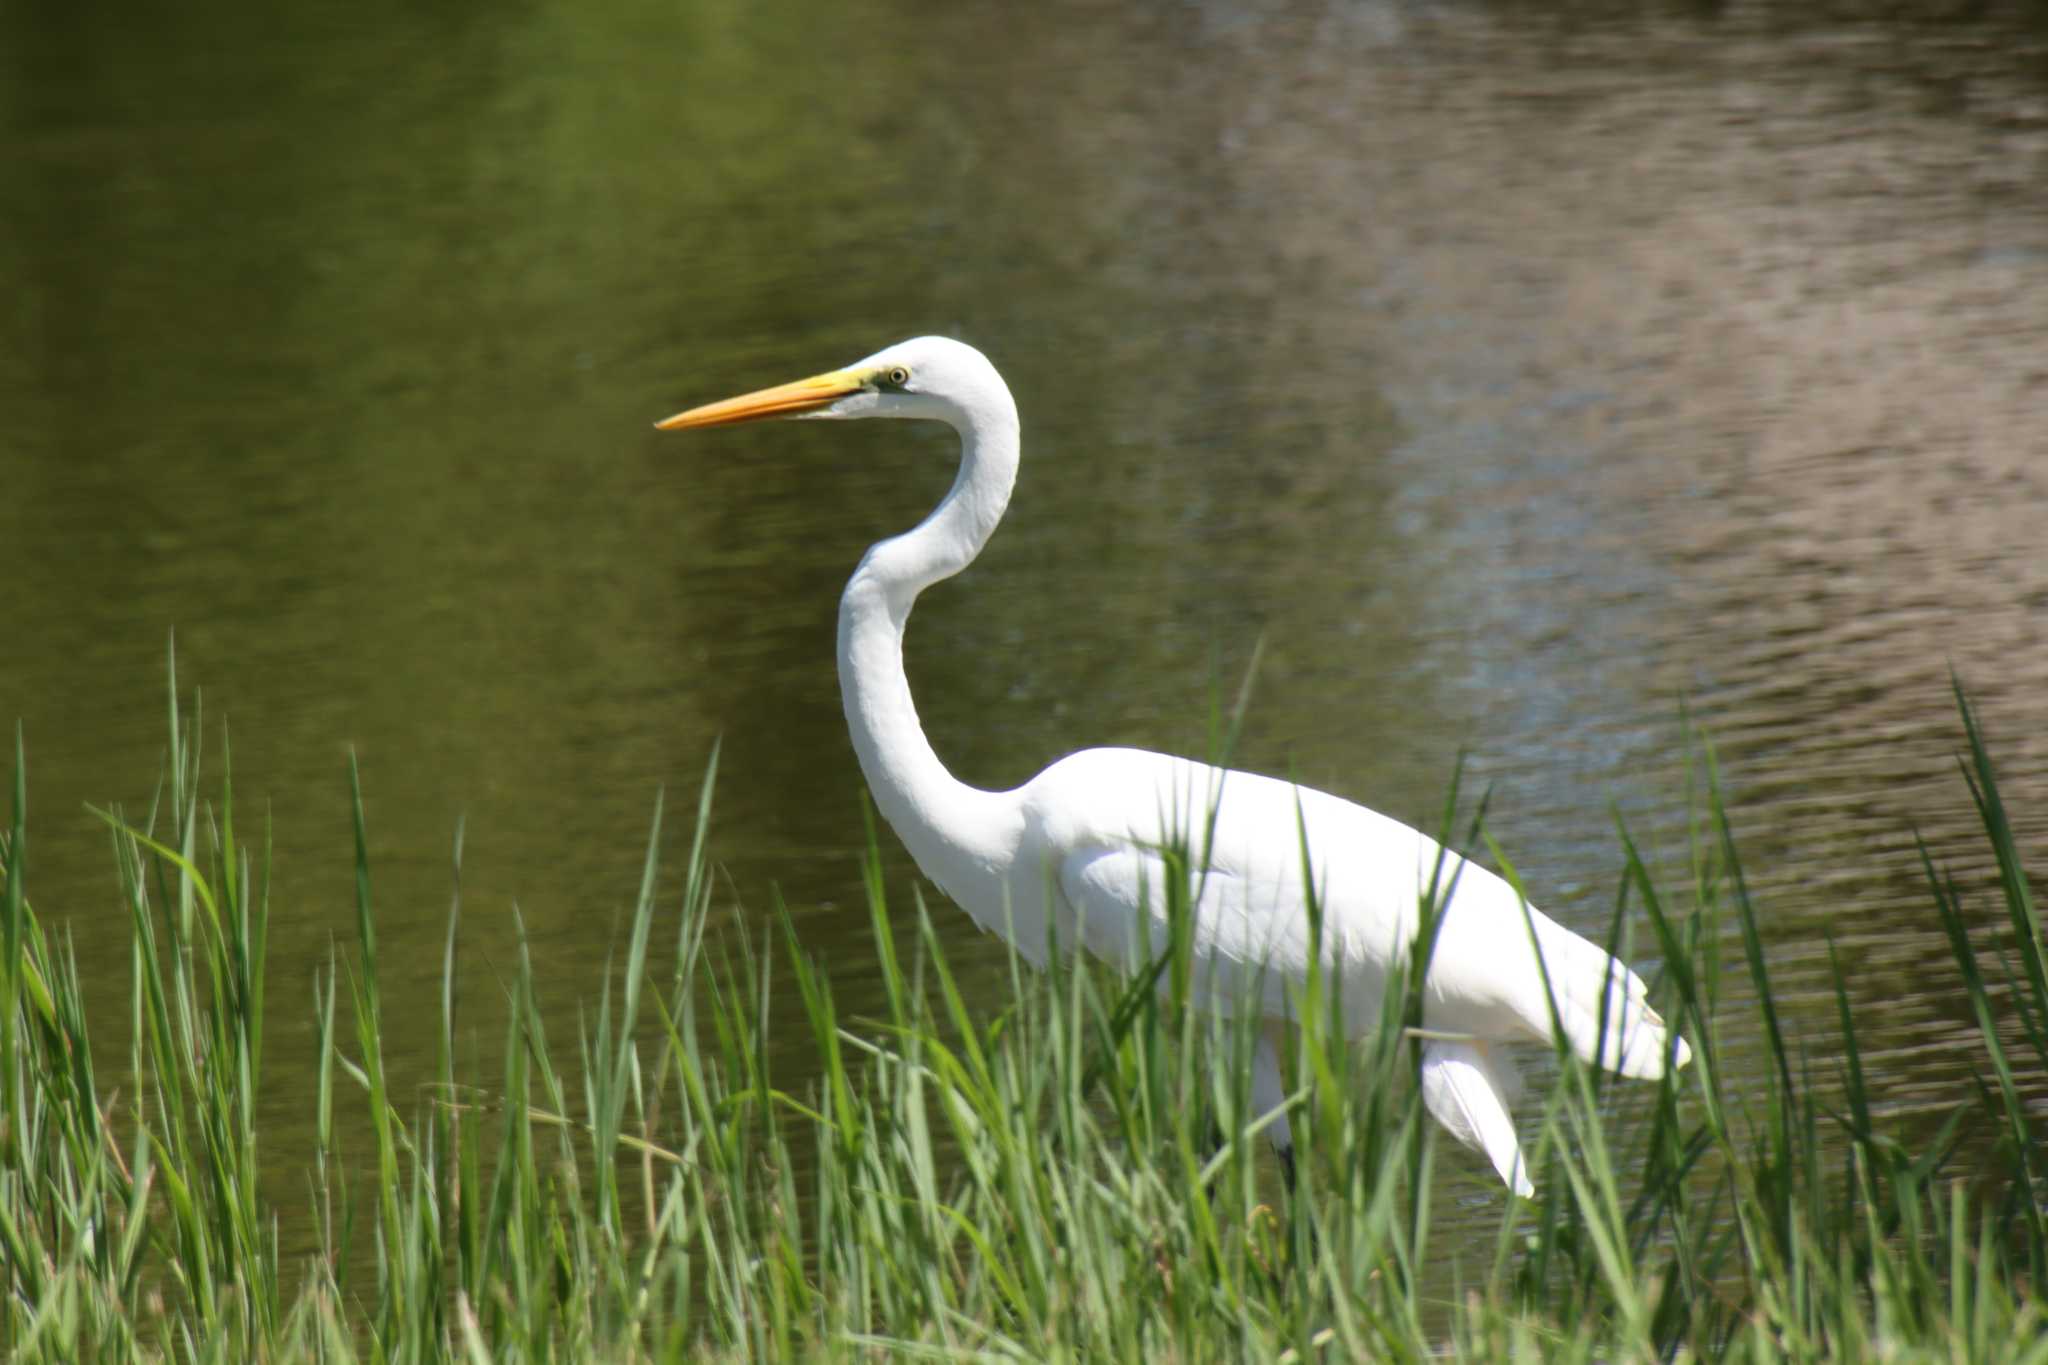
{"x": 1526, "y": 377}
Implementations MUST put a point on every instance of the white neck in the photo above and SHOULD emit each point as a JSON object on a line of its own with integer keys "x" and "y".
{"x": 953, "y": 830}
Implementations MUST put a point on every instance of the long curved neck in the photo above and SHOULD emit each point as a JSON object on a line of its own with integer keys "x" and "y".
{"x": 952, "y": 829}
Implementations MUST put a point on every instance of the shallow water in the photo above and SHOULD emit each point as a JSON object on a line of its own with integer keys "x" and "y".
{"x": 1521, "y": 378}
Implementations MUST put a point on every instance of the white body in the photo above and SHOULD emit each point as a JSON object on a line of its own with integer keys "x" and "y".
{"x": 1080, "y": 841}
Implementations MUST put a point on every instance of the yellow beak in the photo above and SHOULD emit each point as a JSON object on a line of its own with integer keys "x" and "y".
{"x": 784, "y": 400}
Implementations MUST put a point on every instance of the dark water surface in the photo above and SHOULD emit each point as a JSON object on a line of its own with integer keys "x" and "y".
{"x": 1519, "y": 373}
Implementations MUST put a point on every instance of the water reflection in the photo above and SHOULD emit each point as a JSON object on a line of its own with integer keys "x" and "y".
{"x": 1516, "y": 376}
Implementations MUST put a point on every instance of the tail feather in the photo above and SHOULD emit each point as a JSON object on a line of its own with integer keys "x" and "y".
{"x": 1466, "y": 1087}
{"x": 1631, "y": 1039}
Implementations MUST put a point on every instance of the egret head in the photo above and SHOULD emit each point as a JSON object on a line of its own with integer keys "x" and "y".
{"x": 929, "y": 377}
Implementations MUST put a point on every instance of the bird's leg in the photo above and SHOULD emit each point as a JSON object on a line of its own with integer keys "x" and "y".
{"x": 1269, "y": 1093}
{"x": 1286, "y": 1156}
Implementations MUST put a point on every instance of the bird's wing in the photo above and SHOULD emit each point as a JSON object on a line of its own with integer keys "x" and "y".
{"x": 1120, "y": 826}
{"x": 1108, "y": 815}
{"x": 1121, "y": 894}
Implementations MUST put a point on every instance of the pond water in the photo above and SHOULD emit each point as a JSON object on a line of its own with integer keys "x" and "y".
{"x": 1521, "y": 376}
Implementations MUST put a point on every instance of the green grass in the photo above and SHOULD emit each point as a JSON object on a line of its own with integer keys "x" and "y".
{"x": 1068, "y": 1172}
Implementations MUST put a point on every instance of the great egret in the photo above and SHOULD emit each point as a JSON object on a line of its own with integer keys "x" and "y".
{"x": 1083, "y": 840}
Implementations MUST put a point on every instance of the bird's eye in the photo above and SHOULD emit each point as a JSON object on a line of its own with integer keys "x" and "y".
{"x": 899, "y": 376}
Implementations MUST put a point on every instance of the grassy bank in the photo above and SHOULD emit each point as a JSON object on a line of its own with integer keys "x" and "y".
{"x": 1070, "y": 1171}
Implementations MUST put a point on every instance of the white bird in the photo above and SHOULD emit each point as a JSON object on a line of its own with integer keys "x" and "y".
{"x": 1081, "y": 842}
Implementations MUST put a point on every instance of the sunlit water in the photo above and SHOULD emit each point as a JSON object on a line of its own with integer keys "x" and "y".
{"x": 1519, "y": 379}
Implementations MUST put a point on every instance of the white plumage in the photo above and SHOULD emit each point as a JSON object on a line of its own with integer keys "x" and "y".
{"x": 1082, "y": 840}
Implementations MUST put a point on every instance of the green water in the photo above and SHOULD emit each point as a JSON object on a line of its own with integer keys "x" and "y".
{"x": 1518, "y": 377}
